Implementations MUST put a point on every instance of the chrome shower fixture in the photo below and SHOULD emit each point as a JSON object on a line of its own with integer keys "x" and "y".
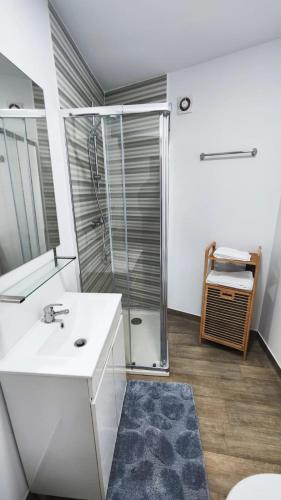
{"x": 97, "y": 222}
{"x": 96, "y": 179}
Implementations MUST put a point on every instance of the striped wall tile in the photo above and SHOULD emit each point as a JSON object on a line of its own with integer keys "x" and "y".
{"x": 76, "y": 84}
{"x": 152, "y": 90}
{"x": 46, "y": 173}
{"x": 142, "y": 180}
{"x": 78, "y": 88}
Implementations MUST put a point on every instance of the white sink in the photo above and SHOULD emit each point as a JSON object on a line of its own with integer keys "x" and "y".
{"x": 50, "y": 349}
{"x": 65, "y": 402}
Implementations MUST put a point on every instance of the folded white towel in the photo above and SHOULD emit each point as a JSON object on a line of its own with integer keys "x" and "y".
{"x": 231, "y": 254}
{"x": 235, "y": 279}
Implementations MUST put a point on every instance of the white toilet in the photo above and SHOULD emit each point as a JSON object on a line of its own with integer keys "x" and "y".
{"x": 258, "y": 487}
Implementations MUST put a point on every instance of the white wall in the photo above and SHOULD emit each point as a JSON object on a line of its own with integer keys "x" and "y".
{"x": 25, "y": 39}
{"x": 15, "y": 89}
{"x": 236, "y": 105}
{"x": 270, "y": 322}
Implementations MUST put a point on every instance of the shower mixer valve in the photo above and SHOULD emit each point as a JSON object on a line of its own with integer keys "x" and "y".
{"x": 97, "y": 222}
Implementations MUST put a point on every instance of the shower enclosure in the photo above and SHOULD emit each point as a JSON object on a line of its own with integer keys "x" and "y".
{"x": 118, "y": 159}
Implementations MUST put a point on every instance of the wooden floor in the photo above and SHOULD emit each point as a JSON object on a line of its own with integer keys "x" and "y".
{"x": 238, "y": 404}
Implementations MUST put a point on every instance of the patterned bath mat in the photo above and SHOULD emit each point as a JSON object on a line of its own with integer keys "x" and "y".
{"x": 158, "y": 453}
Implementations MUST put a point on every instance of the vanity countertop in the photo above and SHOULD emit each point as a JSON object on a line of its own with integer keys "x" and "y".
{"x": 48, "y": 349}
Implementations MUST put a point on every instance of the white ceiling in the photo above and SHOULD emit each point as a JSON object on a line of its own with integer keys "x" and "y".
{"x": 127, "y": 41}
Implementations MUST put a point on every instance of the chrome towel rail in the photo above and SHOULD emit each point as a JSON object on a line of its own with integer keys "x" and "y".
{"x": 205, "y": 156}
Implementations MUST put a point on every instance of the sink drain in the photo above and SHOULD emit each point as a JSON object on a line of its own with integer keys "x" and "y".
{"x": 136, "y": 321}
{"x": 80, "y": 342}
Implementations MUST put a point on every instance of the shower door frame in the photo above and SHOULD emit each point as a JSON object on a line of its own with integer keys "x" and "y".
{"x": 164, "y": 110}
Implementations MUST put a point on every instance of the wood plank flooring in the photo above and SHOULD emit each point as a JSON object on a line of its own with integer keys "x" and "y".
{"x": 238, "y": 404}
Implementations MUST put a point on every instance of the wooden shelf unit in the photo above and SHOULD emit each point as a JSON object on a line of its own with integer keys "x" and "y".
{"x": 227, "y": 312}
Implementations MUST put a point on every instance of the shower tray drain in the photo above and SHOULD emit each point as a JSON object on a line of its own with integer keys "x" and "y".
{"x": 136, "y": 321}
{"x": 80, "y": 342}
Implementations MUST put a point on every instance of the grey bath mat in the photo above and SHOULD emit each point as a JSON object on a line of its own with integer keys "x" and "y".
{"x": 158, "y": 454}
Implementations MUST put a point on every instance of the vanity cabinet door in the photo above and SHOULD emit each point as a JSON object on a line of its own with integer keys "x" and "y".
{"x": 105, "y": 422}
{"x": 119, "y": 363}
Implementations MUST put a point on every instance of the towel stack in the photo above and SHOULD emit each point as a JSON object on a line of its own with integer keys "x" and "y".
{"x": 243, "y": 280}
{"x": 231, "y": 254}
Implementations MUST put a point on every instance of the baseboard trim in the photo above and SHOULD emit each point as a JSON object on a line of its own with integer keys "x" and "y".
{"x": 186, "y": 315}
{"x": 269, "y": 353}
{"x": 155, "y": 373}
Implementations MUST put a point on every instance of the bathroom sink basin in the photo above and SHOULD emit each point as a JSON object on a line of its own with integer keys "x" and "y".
{"x": 72, "y": 345}
{"x": 86, "y": 316}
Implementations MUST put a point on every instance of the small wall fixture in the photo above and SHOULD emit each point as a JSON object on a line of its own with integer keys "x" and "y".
{"x": 229, "y": 154}
{"x": 184, "y": 105}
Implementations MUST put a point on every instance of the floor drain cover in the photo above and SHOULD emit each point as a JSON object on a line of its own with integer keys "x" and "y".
{"x": 136, "y": 321}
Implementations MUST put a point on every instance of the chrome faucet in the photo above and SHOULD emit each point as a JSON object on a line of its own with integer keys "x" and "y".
{"x": 50, "y": 315}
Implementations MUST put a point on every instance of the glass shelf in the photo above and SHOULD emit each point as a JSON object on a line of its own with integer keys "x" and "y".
{"x": 18, "y": 292}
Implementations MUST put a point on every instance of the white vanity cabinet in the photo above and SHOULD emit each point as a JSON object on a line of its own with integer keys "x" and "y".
{"x": 66, "y": 426}
{"x": 107, "y": 406}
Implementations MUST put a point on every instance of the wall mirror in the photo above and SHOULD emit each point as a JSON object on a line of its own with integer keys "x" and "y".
{"x": 28, "y": 218}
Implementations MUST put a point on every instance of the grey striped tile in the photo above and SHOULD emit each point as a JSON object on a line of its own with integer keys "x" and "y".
{"x": 142, "y": 179}
{"x": 153, "y": 90}
{"x": 77, "y": 88}
{"x": 52, "y": 231}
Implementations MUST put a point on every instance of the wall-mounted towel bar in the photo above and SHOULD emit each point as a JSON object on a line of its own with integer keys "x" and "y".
{"x": 205, "y": 156}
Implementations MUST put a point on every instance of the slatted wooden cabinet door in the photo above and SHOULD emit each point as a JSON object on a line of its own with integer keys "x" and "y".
{"x": 226, "y": 316}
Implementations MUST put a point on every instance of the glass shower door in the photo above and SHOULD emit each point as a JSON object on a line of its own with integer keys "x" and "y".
{"x": 117, "y": 216}
{"x": 135, "y": 150}
{"x": 143, "y": 195}
{"x": 89, "y": 202}
{"x": 130, "y": 185}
